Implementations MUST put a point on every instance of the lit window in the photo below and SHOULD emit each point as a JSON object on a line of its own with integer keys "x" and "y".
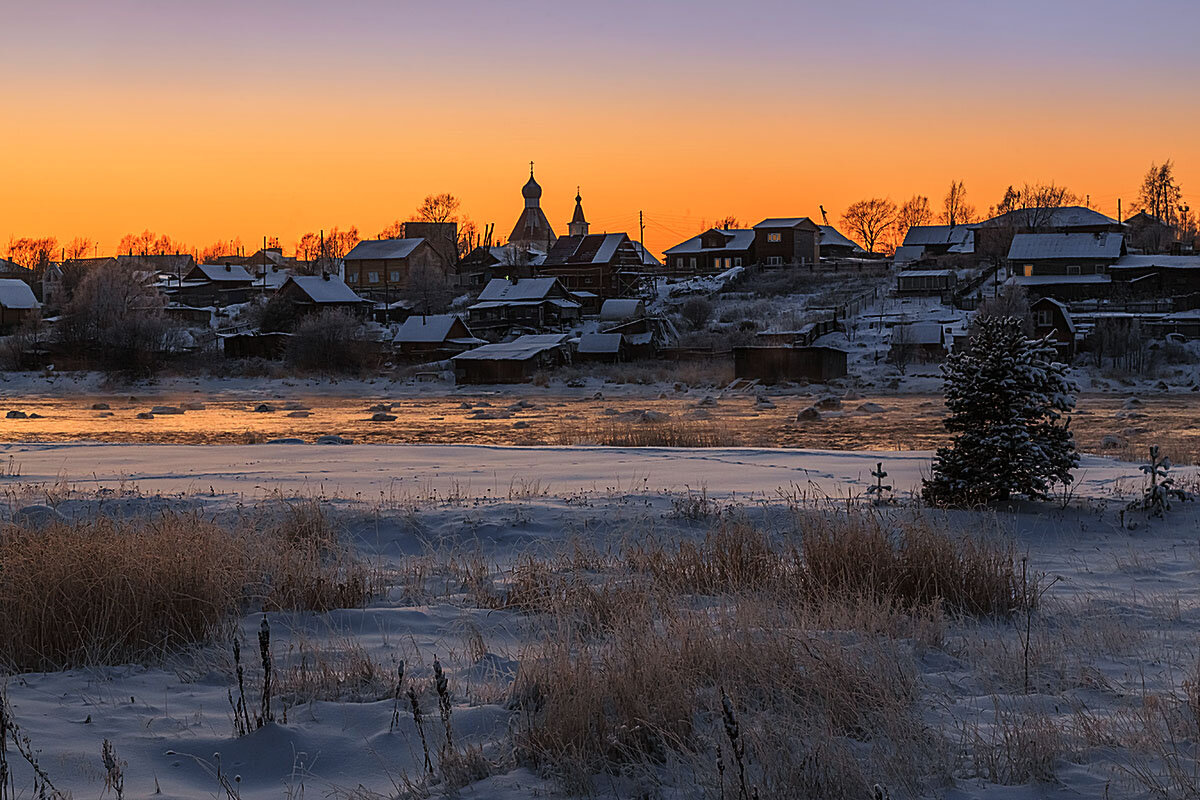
{"x": 775, "y": 237}
{"x": 1028, "y": 270}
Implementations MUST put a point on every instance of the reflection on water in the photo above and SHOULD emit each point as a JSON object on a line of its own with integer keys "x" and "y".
{"x": 888, "y": 423}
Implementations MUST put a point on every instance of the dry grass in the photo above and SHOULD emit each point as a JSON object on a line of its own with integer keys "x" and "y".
{"x": 105, "y": 591}
{"x": 812, "y": 637}
{"x": 669, "y": 433}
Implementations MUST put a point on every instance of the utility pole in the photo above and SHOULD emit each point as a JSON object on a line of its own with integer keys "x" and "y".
{"x": 1119, "y": 210}
{"x": 824, "y": 218}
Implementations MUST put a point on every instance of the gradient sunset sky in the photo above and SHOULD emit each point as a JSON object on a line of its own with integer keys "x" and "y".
{"x": 209, "y": 120}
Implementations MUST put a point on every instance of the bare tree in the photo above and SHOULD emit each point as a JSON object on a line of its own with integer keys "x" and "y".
{"x": 1160, "y": 195}
{"x": 394, "y": 230}
{"x": 1011, "y": 301}
{"x": 439, "y": 208}
{"x": 727, "y": 223}
{"x": 79, "y": 247}
{"x": 1032, "y": 206}
{"x": 147, "y": 243}
{"x": 429, "y": 289}
{"x": 32, "y": 252}
{"x": 955, "y": 208}
{"x": 117, "y": 314}
{"x": 913, "y": 211}
{"x": 869, "y": 220}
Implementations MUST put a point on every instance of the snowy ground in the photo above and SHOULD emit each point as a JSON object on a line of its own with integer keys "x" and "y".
{"x": 1119, "y": 620}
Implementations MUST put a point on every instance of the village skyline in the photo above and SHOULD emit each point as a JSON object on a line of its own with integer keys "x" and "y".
{"x": 224, "y": 121}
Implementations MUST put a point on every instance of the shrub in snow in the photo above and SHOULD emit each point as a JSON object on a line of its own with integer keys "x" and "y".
{"x": 1160, "y": 488}
{"x": 1007, "y": 398}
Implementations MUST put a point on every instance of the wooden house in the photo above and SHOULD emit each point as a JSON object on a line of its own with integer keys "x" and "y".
{"x": 787, "y": 241}
{"x": 606, "y": 264}
{"x": 313, "y": 293}
{"x": 777, "y": 364}
{"x": 529, "y": 303}
{"x": 710, "y": 253}
{"x": 931, "y": 282}
{"x": 511, "y": 362}
{"x": 379, "y": 269}
{"x": 434, "y": 336}
{"x": 1052, "y": 319}
{"x": 1033, "y": 254}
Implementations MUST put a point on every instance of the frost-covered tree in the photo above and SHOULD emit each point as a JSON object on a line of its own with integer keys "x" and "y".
{"x": 1007, "y": 398}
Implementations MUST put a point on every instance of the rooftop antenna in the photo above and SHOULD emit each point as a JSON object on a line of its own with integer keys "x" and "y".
{"x": 824, "y": 218}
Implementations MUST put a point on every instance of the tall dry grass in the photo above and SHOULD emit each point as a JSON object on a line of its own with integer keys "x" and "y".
{"x": 103, "y": 590}
{"x": 669, "y": 433}
{"x": 811, "y": 635}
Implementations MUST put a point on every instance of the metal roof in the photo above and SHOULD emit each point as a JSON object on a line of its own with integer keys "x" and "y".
{"x": 832, "y": 237}
{"x": 222, "y": 272}
{"x": 382, "y": 249}
{"x": 784, "y": 222}
{"x": 427, "y": 328}
{"x": 735, "y": 240}
{"x": 522, "y": 348}
{"x": 600, "y": 343}
{"x": 1033, "y": 246}
{"x": 503, "y": 290}
{"x": 16, "y": 294}
{"x": 325, "y": 288}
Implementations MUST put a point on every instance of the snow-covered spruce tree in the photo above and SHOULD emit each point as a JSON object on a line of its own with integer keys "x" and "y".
{"x": 1007, "y": 397}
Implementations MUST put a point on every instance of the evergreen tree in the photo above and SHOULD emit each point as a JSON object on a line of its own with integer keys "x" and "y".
{"x": 1007, "y": 398}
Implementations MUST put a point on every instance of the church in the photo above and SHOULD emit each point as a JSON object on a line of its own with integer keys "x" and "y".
{"x": 532, "y": 230}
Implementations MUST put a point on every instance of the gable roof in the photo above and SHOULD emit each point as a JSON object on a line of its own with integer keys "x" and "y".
{"x": 937, "y": 235}
{"x": 734, "y": 240}
{"x": 1063, "y": 217}
{"x": 595, "y": 248}
{"x": 220, "y": 272}
{"x": 832, "y": 237}
{"x": 16, "y": 294}
{"x": 1033, "y": 246}
{"x": 520, "y": 349}
{"x": 524, "y": 289}
{"x": 431, "y": 328}
{"x": 907, "y": 253}
{"x": 324, "y": 288}
{"x": 382, "y": 249}
{"x": 787, "y": 222}
{"x": 648, "y": 259}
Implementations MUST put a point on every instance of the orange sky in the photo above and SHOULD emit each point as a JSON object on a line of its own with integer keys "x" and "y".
{"x": 275, "y": 118}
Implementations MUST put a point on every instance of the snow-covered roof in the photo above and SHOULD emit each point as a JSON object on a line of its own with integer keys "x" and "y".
{"x": 918, "y": 333}
{"x": 382, "y": 249}
{"x": 1064, "y": 217}
{"x": 520, "y": 349}
{"x": 735, "y": 240}
{"x": 647, "y": 258}
{"x": 530, "y": 256}
{"x": 1166, "y": 262}
{"x": 832, "y": 237}
{"x": 621, "y": 308}
{"x": 1033, "y": 246}
{"x": 1051, "y": 280}
{"x": 783, "y": 222}
{"x": 917, "y": 273}
{"x": 16, "y": 294}
{"x": 271, "y": 277}
{"x": 1061, "y": 306}
{"x": 502, "y": 290}
{"x": 325, "y": 289}
{"x": 221, "y": 272}
{"x": 426, "y": 328}
{"x": 907, "y": 253}
{"x": 936, "y": 235}
{"x": 600, "y": 343}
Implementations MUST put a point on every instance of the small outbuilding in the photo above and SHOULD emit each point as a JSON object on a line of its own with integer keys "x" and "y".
{"x": 601, "y": 347}
{"x": 511, "y": 362}
{"x": 434, "y": 335}
{"x": 917, "y": 341}
{"x": 777, "y": 364}
{"x": 17, "y": 302}
{"x": 1052, "y": 318}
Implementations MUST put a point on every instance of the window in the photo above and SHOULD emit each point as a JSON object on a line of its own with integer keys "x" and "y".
{"x": 1073, "y": 269}
{"x": 774, "y": 238}
{"x": 737, "y": 262}
{"x": 351, "y": 277}
{"x": 692, "y": 262}
{"x": 372, "y": 277}
{"x": 774, "y": 261}
{"x": 1028, "y": 270}
{"x": 1043, "y": 317}
{"x": 394, "y": 277}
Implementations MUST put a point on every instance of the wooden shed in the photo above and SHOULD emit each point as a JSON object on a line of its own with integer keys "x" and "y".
{"x": 776, "y": 364}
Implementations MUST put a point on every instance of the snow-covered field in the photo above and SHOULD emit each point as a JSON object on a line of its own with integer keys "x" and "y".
{"x": 1116, "y": 629}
